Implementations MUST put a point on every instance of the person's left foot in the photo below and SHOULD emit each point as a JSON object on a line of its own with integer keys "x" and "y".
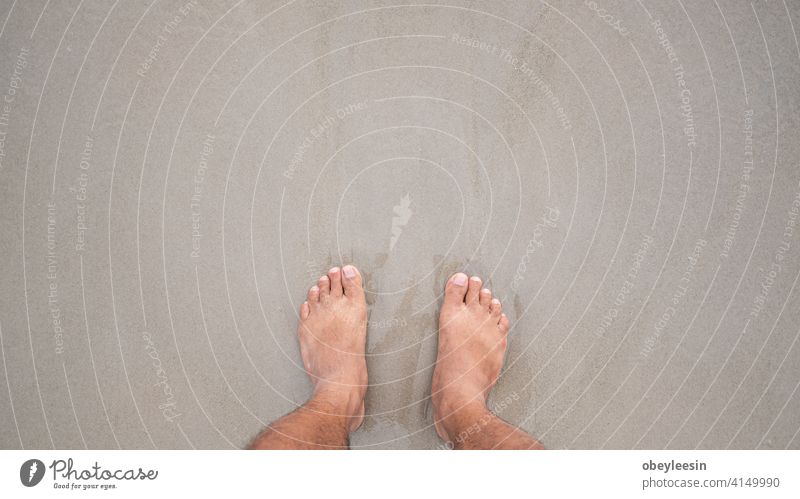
{"x": 333, "y": 335}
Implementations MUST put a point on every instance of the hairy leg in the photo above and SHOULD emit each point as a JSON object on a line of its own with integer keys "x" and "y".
{"x": 332, "y": 334}
{"x": 472, "y": 344}
{"x": 473, "y": 426}
{"x": 320, "y": 423}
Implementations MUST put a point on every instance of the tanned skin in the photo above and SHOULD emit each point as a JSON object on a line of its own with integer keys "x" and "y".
{"x": 473, "y": 334}
{"x": 332, "y": 335}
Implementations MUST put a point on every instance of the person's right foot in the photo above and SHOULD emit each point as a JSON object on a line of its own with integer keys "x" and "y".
{"x": 472, "y": 343}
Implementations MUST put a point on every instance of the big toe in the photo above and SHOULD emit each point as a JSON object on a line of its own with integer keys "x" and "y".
{"x": 351, "y": 281}
{"x": 455, "y": 289}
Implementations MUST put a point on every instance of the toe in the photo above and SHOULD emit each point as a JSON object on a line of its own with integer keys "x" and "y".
{"x": 485, "y": 298}
{"x": 324, "y": 287}
{"x": 351, "y": 281}
{"x": 455, "y": 289}
{"x": 503, "y": 323}
{"x": 473, "y": 290}
{"x": 496, "y": 308}
{"x": 305, "y": 310}
{"x": 313, "y": 296}
{"x": 335, "y": 275}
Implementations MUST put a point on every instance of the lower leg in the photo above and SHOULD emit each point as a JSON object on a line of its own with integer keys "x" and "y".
{"x": 321, "y": 423}
{"x": 473, "y": 426}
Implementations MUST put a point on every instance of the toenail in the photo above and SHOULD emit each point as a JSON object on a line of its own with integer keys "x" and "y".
{"x": 333, "y": 270}
{"x": 495, "y": 301}
{"x": 475, "y": 278}
{"x": 459, "y": 279}
{"x": 485, "y": 291}
{"x": 349, "y": 271}
{"x": 314, "y": 289}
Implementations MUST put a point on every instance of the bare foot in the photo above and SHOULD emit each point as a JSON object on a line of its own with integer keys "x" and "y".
{"x": 333, "y": 334}
{"x": 472, "y": 343}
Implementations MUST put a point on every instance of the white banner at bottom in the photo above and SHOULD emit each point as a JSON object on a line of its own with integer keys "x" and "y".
{"x": 122, "y": 474}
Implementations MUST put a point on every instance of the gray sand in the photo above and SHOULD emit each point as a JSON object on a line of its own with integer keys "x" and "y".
{"x": 175, "y": 176}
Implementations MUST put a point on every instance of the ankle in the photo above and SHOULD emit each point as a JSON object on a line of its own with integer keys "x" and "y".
{"x": 456, "y": 416}
{"x": 342, "y": 401}
{"x": 455, "y": 399}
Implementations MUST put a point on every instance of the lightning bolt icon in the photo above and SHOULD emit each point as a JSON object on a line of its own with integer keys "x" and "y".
{"x": 32, "y": 472}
